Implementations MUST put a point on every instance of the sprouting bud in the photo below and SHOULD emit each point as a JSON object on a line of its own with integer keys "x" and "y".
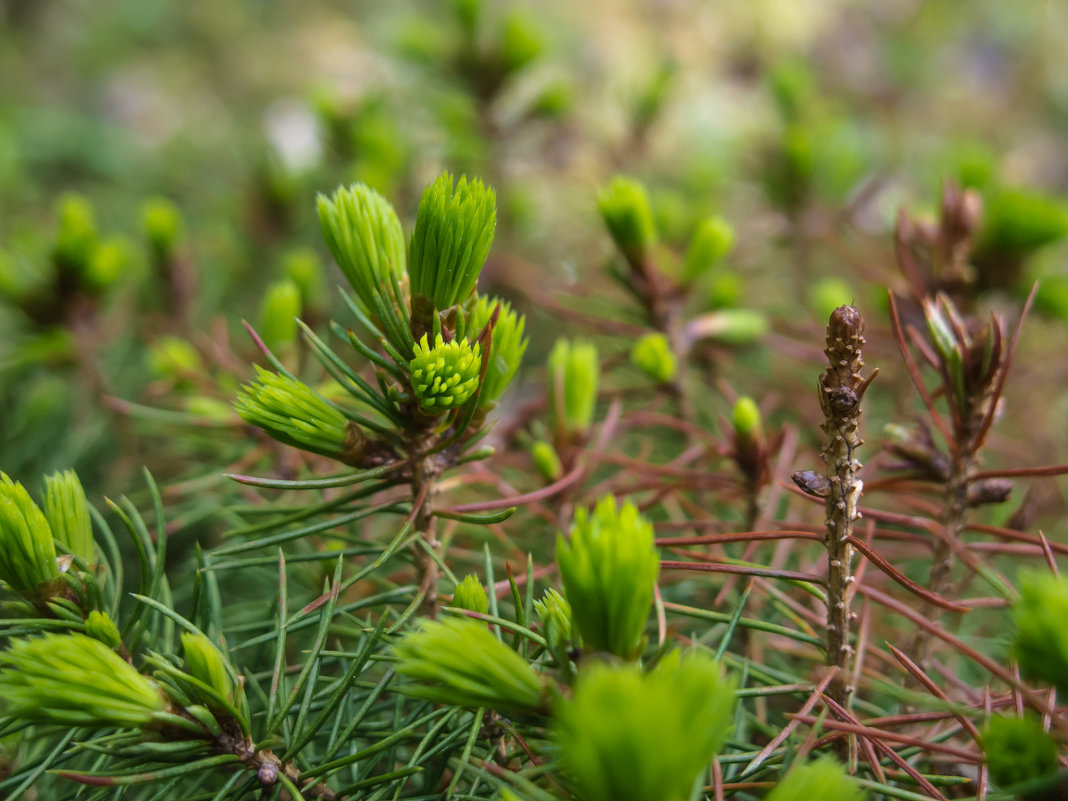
{"x": 471, "y": 595}
{"x": 27, "y": 552}
{"x": 162, "y": 223}
{"x": 364, "y": 235}
{"x": 750, "y": 449}
{"x": 174, "y": 359}
{"x": 75, "y": 681}
{"x": 205, "y": 662}
{"x": 278, "y": 314}
{"x": 712, "y": 240}
{"x": 1018, "y": 750}
{"x": 609, "y": 567}
{"x": 67, "y": 511}
{"x": 459, "y": 662}
{"x": 303, "y": 267}
{"x": 293, "y": 413}
{"x": 546, "y": 460}
{"x": 76, "y": 238}
{"x": 624, "y": 206}
{"x": 444, "y": 377}
{"x": 745, "y": 417}
{"x": 653, "y": 355}
{"x": 101, "y": 627}
{"x": 507, "y": 345}
{"x": 681, "y": 711}
{"x": 823, "y": 779}
{"x": 521, "y": 42}
{"x": 453, "y": 233}
{"x": 573, "y": 374}
{"x": 728, "y": 326}
{"x": 555, "y": 614}
{"x": 1041, "y": 641}
{"x": 971, "y": 356}
{"x": 108, "y": 261}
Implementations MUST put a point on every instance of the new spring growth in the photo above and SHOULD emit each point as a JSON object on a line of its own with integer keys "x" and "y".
{"x": 507, "y": 345}
{"x": 555, "y": 614}
{"x": 546, "y": 460}
{"x": 444, "y": 377}
{"x": 279, "y": 310}
{"x": 459, "y": 662}
{"x": 67, "y": 511}
{"x": 102, "y": 628}
{"x": 1018, "y": 750}
{"x": 712, "y": 240}
{"x": 364, "y": 235}
{"x": 821, "y": 780}
{"x": 27, "y": 552}
{"x": 624, "y": 206}
{"x": 453, "y": 233}
{"x": 162, "y": 224}
{"x": 174, "y": 359}
{"x": 76, "y": 238}
{"x": 750, "y": 449}
{"x": 293, "y": 413}
{"x": 1040, "y": 644}
{"x": 663, "y": 729}
{"x": 75, "y": 681}
{"x": 206, "y": 663}
{"x": 471, "y": 595}
{"x": 653, "y": 356}
{"x": 608, "y": 567}
{"x": 573, "y": 373}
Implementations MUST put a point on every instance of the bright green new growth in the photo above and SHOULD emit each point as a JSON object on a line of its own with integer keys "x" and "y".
{"x": 745, "y": 417}
{"x": 1041, "y": 642}
{"x": 820, "y": 780}
{"x": 652, "y": 354}
{"x": 204, "y": 662}
{"x": 101, "y": 627}
{"x": 293, "y": 413}
{"x": 364, "y": 234}
{"x": 279, "y": 312}
{"x": 445, "y": 376}
{"x": 625, "y": 209}
{"x": 1018, "y": 750}
{"x": 173, "y": 358}
{"x": 633, "y": 736}
{"x": 468, "y": 666}
{"x": 555, "y": 614}
{"x": 608, "y": 570}
{"x": 76, "y": 238}
{"x": 546, "y": 460}
{"x": 27, "y": 553}
{"x": 67, "y": 511}
{"x": 452, "y": 238}
{"x": 471, "y": 595}
{"x": 711, "y": 241}
{"x": 162, "y": 223}
{"x": 74, "y": 680}
{"x": 506, "y": 348}
{"x": 573, "y": 373}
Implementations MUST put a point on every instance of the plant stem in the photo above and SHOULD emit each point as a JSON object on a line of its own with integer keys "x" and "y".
{"x": 424, "y": 474}
{"x": 841, "y": 389}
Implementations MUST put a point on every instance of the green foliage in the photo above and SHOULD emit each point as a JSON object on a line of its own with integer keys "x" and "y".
{"x": 453, "y": 233}
{"x": 458, "y": 662}
{"x": 1017, "y": 222}
{"x": 507, "y": 348}
{"x": 555, "y": 614}
{"x": 205, "y": 662}
{"x": 76, "y": 238}
{"x": 27, "y": 553}
{"x": 163, "y": 227}
{"x": 76, "y": 681}
{"x": 279, "y": 309}
{"x": 67, "y": 511}
{"x": 101, "y": 627}
{"x": 823, "y": 779}
{"x": 546, "y": 460}
{"x": 633, "y": 736}
{"x": 364, "y": 235}
{"x": 1041, "y": 641}
{"x": 745, "y": 417}
{"x": 573, "y": 374}
{"x": 1018, "y": 750}
{"x": 174, "y": 359}
{"x": 624, "y": 207}
{"x": 652, "y": 354}
{"x": 471, "y": 595}
{"x": 445, "y": 377}
{"x": 712, "y": 240}
{"x": 608, "y": 566}
{"x": 293, "y": 413}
